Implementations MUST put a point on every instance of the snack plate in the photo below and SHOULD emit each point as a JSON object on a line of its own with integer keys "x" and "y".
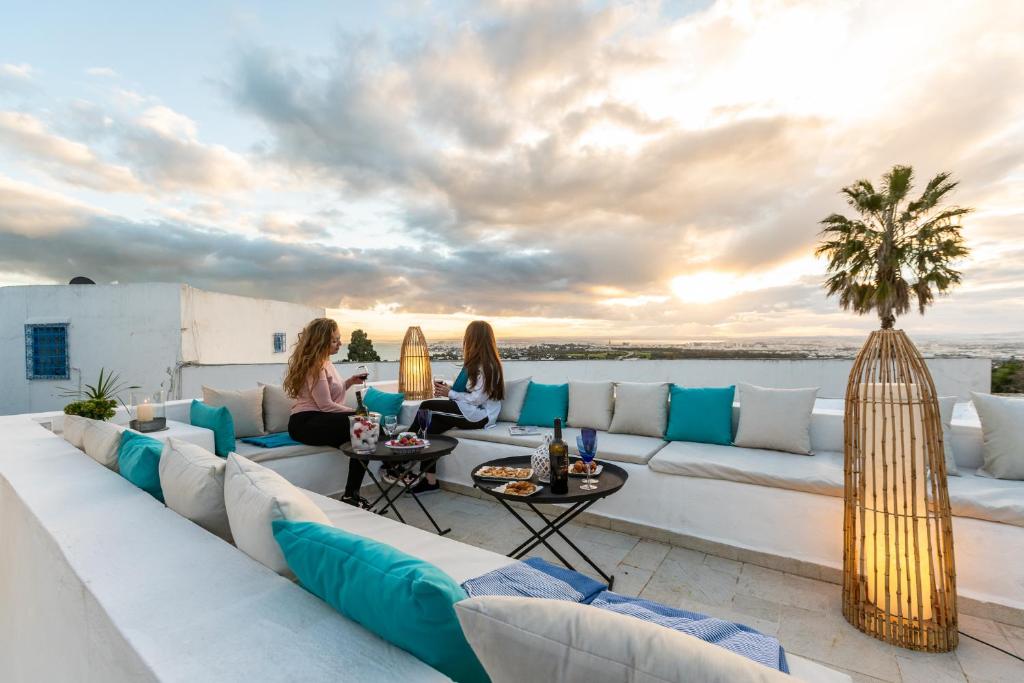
{"x": 501, "y": 489}
{"x": 483, "y": 474}
{"x": 598, "y": 470}
{"x": 407, "y": 449}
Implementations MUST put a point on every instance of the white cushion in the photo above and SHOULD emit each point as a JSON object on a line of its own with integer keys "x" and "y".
{"x": 946, "y": 405}
{"x": 591, "y": 404}
{"x": 616, "y": 447}
{"x": 254, "y": 497}
{"x": 101, "y": 441}
{"x": 640, "y": 409}
{"x": 512, "y": 404}
{"x": 246, "y": 407}
{"x": 568, "y": 641}
{"x": 74, "y": 429}
{"x": 277, "y": 408}
{"x": 192, "y": 479}
{"x": 1002, "y": 429}
{"x": 776, "y": 419}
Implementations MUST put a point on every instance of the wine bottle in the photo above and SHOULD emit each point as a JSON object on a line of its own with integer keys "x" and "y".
{"x": 558, "y": 454}
{"x": 360, "y": 408}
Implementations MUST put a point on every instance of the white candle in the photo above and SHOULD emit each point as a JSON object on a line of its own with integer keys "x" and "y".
{"x": 144, "y": 412}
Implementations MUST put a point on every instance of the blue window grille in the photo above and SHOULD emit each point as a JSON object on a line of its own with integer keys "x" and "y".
{"x": 280, "y": 342}
{"x": 46, "y": 351}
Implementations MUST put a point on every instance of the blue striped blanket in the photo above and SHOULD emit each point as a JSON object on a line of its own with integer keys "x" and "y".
{"x": 536, "y": 578}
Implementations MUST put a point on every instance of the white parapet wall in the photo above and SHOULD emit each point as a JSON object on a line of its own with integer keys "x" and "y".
{"x": 953, "y": 376}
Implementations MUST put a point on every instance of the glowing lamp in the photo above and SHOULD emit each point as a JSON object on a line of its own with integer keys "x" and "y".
{"x": 414, "y": 375}
{"x": 899, "y": 579}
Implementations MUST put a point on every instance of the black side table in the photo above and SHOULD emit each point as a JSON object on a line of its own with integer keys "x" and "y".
{"x": 440, "y": 445}
{"x": 612, "y": 479}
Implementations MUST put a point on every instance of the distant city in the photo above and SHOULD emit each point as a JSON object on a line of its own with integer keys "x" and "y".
{"x": 994, "y": 347}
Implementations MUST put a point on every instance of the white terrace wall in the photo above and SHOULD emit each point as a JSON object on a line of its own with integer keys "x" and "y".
{"x": 953, "y": 376}
{"x": 132, "y": 329}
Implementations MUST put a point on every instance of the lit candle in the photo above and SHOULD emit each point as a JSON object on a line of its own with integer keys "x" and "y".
{"x": 144, "y": 412}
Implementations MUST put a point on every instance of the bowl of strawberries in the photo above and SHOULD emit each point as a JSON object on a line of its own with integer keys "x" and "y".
{"x": 407, "y": 443}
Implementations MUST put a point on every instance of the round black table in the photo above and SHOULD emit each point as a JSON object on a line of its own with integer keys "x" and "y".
{"x": 440, "y": 445}
{"x": 611, "y": 479}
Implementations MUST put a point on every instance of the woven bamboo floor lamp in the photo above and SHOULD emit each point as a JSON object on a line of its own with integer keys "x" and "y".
{"x": 899, "y": 579}
{"x": 414, "y": 375}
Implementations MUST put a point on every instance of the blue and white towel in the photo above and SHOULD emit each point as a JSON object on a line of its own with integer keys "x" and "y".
{"x": 737, "y": 638}
{"x": 535, "y": 578}
{"x": 276, "y": 440}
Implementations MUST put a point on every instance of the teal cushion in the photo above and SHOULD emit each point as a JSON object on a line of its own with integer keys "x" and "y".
{"x": 217, "y": 419}
{"x": 405, "y": 601}
{"x": 138, "y": 460}
{"x": 382, "y": 402}
{"x": 703, "y": 415}
{"x": 543, "y": 403}
{"x": 461, "y": 381}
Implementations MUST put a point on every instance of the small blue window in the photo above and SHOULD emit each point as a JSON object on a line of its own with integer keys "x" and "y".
{"x": 46, "y": 351}
{"x": 280, "y": 342}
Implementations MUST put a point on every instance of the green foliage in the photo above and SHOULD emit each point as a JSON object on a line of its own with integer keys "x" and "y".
{"x": 92, "y": 408}
{"x": 360, "y": 348}
{"x": 1008, "y": 377}
{"x": 897, "y": 249}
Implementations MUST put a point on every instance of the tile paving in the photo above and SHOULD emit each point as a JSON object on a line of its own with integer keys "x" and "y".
{"x": 803, "y": 613}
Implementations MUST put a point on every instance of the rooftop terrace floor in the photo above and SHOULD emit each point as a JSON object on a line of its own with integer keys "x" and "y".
{"x": 804, "y": 614}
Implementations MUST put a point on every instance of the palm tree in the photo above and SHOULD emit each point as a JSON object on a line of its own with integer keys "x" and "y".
{"x": 898, "y": 248}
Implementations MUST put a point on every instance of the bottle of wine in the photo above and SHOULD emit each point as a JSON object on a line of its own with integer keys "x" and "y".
{"x": 558, "y": 453}
{"x": 360, "y": 408}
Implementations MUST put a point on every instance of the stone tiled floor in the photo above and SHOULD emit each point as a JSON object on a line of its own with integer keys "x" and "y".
{"x": 803, "y": 613}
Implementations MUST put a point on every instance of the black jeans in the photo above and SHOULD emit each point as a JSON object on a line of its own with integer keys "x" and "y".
{"x": 445, "y": 415}
{"x": 315, "y": 428}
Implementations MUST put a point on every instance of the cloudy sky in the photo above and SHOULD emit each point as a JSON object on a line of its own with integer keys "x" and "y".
{"x": 641, "y": 170}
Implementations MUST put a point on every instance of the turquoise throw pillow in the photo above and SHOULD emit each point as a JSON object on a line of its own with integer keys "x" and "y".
{"x": 703, "y": 415}
{"x": 405, "y": 601}
{"x": 138, "y": 460}
{"x": 382, "y": 402}
{"x": 461, "y": 382}
{"x": 543, "y": 403}
{"x": 217, "y": 419}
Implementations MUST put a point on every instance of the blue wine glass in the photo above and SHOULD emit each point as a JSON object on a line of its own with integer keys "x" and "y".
{"x": 586, "y": 444}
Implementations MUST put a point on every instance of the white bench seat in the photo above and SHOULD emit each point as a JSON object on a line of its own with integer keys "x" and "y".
{"x": 614, "y": 447}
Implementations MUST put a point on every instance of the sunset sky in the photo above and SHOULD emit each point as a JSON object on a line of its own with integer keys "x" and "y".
{"x": 634, "y": 170}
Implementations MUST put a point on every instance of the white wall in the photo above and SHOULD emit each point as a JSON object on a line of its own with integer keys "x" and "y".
{"x": 130, "y": 329}
{"x": 223, "y": 328}
{"x": 953, "y": 376}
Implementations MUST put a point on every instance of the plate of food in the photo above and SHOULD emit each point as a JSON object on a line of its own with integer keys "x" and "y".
{"x": 407, "y": 443}
{"x": 498, "y": 472}
{"x": 578, "y": 468}
{"x": 518, "y": 488}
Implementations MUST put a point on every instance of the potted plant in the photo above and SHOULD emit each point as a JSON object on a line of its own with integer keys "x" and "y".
{"x": 96, "y": 401}
{"x": 899, "y": 577}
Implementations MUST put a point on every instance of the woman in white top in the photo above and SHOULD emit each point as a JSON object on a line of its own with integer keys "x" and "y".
{"x": 476, "y": 407}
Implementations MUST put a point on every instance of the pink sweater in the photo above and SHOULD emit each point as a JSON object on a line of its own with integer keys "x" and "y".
{"x": 325, "y": 394}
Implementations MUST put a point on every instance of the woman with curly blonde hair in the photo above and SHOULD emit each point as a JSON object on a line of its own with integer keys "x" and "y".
{"x": 319, "y": 418}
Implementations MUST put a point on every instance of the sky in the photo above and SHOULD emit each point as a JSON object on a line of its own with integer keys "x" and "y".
{"x": 641, "y": 170}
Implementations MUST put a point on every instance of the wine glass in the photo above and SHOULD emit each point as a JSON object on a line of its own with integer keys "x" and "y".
{"x": 390, "y": 425}
{"x": 586, "y": 444}
{"x": 423, "y": 416}
{"x": 363, "y": 372}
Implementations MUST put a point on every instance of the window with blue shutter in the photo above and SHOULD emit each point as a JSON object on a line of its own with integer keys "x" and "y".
{"x": 46, "y": 351}
{"x": 280, "y": 342}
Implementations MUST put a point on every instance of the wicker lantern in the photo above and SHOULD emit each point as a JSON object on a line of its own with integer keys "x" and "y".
{"x": 899, "y": 579}
{"x": 414, "y": 376}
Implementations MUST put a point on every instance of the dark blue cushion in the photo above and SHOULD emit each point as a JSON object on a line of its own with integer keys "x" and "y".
{"x": 218, "y": 420}
{"x": 138, "y": 460}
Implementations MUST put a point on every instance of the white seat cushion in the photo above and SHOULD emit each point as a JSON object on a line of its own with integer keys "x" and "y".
{"x": 245, "y": 406}
{"x": 614, "y": 447}
{"x": 775, "y": 419}
{"x": 641, "y": 409}
{"x": 980, "y": 497}
{"x": 101, "y": 441}
{"x": 74, "y": 429}
{"x": 515, "y": 394}
{"x": 277, "y": 408}
{"x": 568, "y": 641}
{"x": 258, "y": 454}
{"x": 254, "y": 497}
{"x": 1002, "y": 428}
{"x": 591, "y": 404}
{"x": 192, "y": 480}
{"x": 461, "y": 561}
